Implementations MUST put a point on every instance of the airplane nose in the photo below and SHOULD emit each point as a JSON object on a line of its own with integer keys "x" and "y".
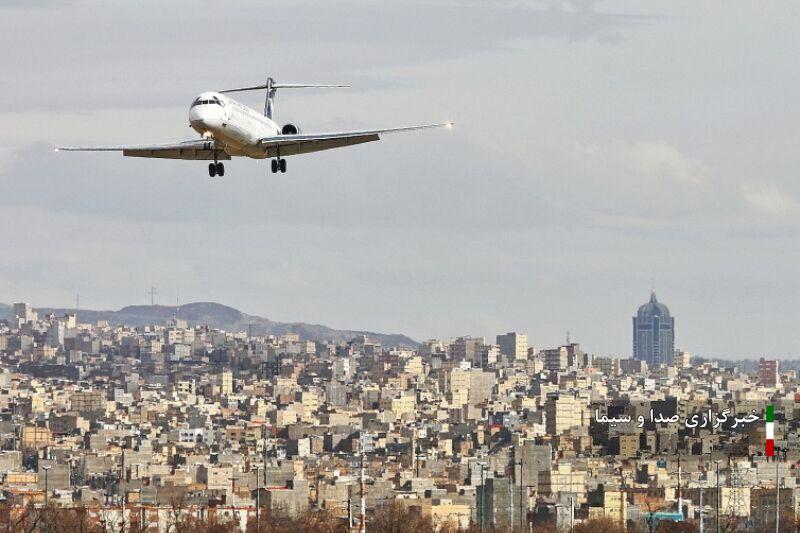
{"x": 204, "y": 119}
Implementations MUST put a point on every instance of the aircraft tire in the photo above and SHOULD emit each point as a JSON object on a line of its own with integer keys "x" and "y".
{"x": 220, "y": 169}
{"x": 283, "y": 165}
{"x": 212, "y": 169}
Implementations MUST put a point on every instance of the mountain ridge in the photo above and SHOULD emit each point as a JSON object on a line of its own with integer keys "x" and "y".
{"x": 219, "y": 316}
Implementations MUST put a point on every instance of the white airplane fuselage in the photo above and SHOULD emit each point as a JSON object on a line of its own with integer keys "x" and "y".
{"x": 230, "y": 129}
{"x": 237, "y": 127}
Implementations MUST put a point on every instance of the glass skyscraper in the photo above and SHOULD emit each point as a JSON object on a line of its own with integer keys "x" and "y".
{"x": 654, "y": 333}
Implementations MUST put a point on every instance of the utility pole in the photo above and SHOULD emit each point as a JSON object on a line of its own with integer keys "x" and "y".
{"x": 680, "y": 499}
{"x": 350, "y": 507}
{"x": 266, "y": 484}
{"x": 265, "y": 458}
{"x": 483, "y": 497}
{"x": 362, "y": 526}
{"x": 511, "y": 500}
{"x": 777, "y": 495}
{"x": 258, "y": 501}
{"x": 571, "y": 514}
{"x": 523, "y": 508}
{"x": 718, "y": 497}
{"x": 14, "y": 420}
{"x": 46, "y": 500}
{"x": 523, "y": 504}
{"x": 701, "y": 509}
{"x": 414, "y": 452}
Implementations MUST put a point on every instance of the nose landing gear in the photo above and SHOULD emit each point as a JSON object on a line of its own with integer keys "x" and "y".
{"x": 216, "y": 169}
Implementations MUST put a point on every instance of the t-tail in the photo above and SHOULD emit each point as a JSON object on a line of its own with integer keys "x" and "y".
{"x": 272, "y": 87}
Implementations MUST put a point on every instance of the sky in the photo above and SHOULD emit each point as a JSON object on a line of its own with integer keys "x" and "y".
{"x": 600, "y": 148}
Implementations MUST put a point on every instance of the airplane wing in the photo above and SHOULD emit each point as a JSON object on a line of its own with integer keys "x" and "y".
{"x": 200, "y": 149}
{"x": 303, "y": 143}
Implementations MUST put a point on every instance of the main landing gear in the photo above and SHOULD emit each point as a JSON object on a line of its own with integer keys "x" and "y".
{"x": 278, "y": 165}
{"x": 216, "y": 169}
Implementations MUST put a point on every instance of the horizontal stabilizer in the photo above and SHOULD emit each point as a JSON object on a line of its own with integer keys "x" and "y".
{"x": 285, "y": 86}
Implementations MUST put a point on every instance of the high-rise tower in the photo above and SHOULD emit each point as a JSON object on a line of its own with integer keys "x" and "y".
{"x": 654, "y": 333}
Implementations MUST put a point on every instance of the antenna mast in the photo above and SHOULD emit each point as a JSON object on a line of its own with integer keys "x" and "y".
{"x": 362, "y": 520}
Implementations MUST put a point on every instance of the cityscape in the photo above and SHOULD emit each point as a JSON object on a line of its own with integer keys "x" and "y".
{"x": 169, "y": 425}
{"x": 419, "y": 266}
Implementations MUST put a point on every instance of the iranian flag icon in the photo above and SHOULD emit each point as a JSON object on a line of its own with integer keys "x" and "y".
{"x": 769, "y": 415}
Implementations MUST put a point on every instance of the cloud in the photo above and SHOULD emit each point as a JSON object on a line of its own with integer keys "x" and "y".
{"x": 647, "y": 160}
{"x": 768, "y": 199}
{"x": 305, "y": 41}
{"x": 7, "y": 158}
{"x": 638, "y": 184}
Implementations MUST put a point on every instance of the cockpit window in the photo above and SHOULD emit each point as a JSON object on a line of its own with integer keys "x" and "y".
{"x": 214, "y": 101}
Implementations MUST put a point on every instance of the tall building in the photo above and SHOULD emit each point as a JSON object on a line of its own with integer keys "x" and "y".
{"x": 25, "y": 312}
{"x": 654, "y": 333}
{"x": 768, "y": 371}
{"x": 682, "y": 359}
{"x": 513, "y": 345}
{"x": 467, "y": 349}
{"x": 486, "y": 355}
{"x": 471, "y": 386}
{"x": 531, "y": 458}
{"x": 564, "y": 412}
{"x": 577, "y": 357}
{"x": 225, "y": 381}
{"x": 556, "y": 359}
{"x": 461, "y": 348}
{"x": 55, "y": 334}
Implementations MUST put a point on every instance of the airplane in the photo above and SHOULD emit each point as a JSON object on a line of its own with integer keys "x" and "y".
{"x": 231, "y": 129}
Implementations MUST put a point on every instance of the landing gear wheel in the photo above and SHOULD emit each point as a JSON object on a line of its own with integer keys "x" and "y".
{"x": 282, "y": 165}
{"x": 274, "y": 166}
{"x": 220, "y": 169}
{"x": 212, "y": 169}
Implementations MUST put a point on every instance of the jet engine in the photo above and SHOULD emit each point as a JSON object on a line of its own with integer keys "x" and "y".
{"x": 290, "y": 129}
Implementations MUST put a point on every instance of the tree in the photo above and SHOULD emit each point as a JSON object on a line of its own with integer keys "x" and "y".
{"x": 395, "y": 517}
{"x": 670, "y": 526}
{"x": 599, "y": 525}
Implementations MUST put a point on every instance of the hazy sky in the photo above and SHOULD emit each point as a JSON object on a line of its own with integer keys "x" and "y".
{"x": 598, "y": 146}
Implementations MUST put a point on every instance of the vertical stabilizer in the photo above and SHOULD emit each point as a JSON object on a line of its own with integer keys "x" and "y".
{"x": 269, "y": 103}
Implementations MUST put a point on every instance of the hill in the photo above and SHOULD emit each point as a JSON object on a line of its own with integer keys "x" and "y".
{"x": 222, "y": 317}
